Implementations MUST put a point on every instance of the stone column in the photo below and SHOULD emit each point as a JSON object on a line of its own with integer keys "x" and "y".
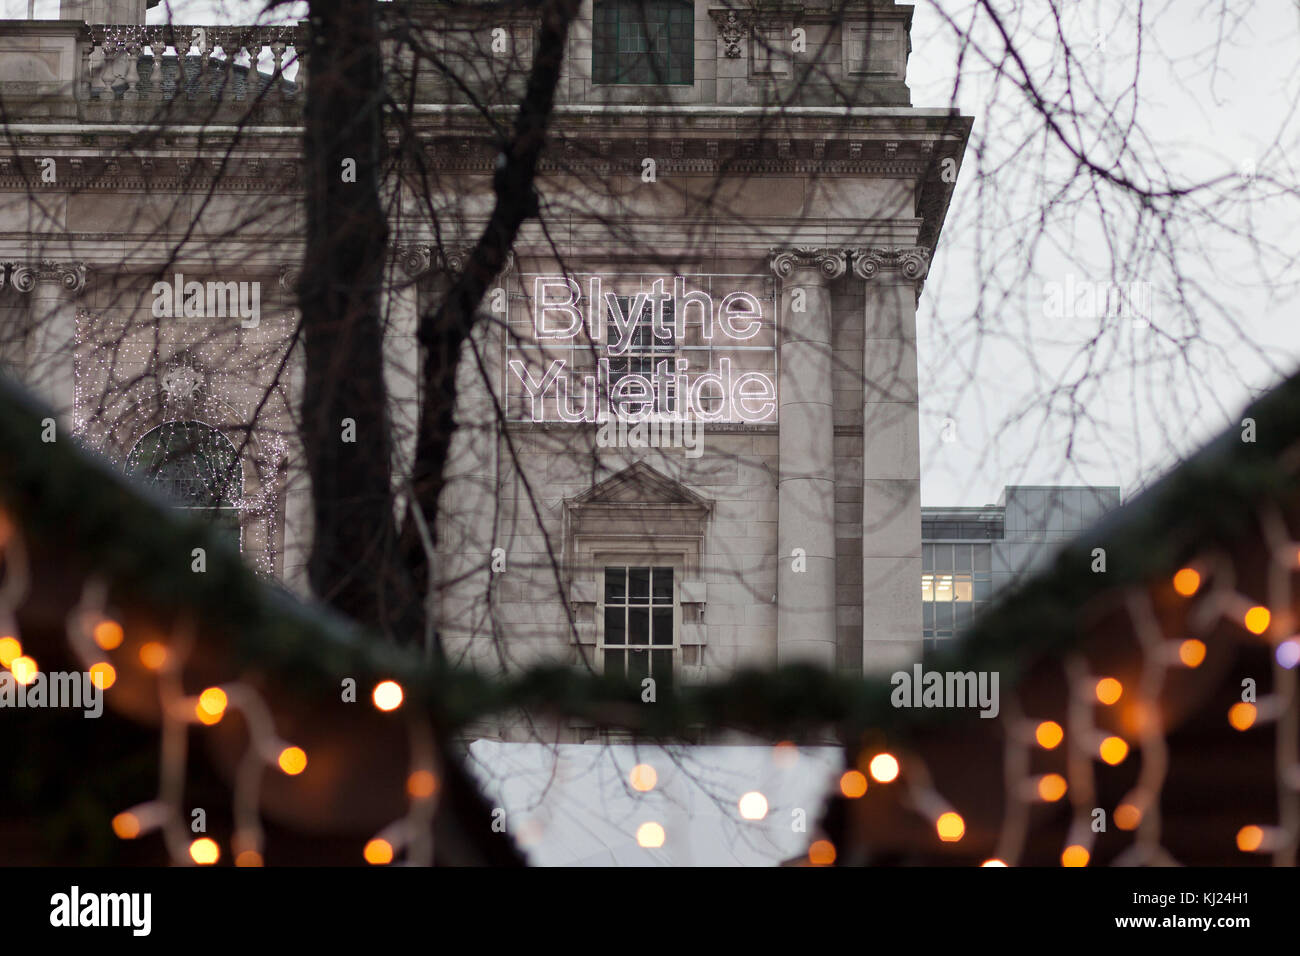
{"x": 50, "y": 352}
{"x": 891, "y": 458}
{"x": 806, "y": 489}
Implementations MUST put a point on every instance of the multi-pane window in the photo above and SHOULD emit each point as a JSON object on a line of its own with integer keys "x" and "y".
{"x": 643, "y": 41}
{"x": 956, "y": 584}
{"x": 639, "y": 637}
{"x": 647, "y": 354}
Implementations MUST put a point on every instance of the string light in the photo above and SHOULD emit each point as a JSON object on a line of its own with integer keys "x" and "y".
{"x": 950, "y": 826}
{"x": 821, "y": 853}
{"x": 293, "y": 760}
{"x": 650, "y": 835}
{"x": 1109, "y": 690}
{"x": 853, "y": 784}
{"x": 204, "y": 851}
{"x": 108, "y": 634}
{"x": 1191, "y": 652}
{"x": 883, "y": 768}
{"x": 388, "y": 695}
{"x": 1187, "y": 581}
{"x": 1049, "y": 734}
{"x": 643, "y": 777}
{"x": 753, "y": 806}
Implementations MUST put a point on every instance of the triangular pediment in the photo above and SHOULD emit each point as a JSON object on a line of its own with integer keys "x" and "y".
{"x": 640, "y": 484}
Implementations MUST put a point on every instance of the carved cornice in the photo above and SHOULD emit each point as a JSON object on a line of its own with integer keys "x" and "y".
{"x": 831, "y": 263}
{"x": 908, "y": 262}
{"x": 70, "y": 275}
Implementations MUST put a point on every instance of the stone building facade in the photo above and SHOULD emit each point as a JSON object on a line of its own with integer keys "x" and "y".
{"x": 689, "y": 431}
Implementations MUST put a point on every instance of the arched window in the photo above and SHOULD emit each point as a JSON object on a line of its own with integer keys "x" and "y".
{"x": 195, "y": 466}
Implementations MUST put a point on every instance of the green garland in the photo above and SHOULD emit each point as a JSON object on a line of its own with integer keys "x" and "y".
{"x": 66, "y": 499}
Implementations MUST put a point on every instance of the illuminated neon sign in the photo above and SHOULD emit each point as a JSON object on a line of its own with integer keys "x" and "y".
{"x": 614, "y": 326}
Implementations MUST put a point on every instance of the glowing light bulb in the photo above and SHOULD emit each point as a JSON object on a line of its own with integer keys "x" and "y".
{"x": 108, "y": 634}
{"x": 650, "y": 835}
{"x": 293, "y": 760}
{"x": 1187, "y": 581}
{"x": 204, "y": 851}
{"x": 10, "y": 648}
{"x": 388, "y": 695}
{"x": 102, "y": 675}
{"x": 1049, "y": 734}
{"x": 213, "y": 701}
{"x": 993, "y": 862}
{"x": 24, "y": 669}
{"x": 853, "y": 784}
{"x": 1075, "y": 855}
{"x": 821, "y": 853}
{"x": 153, "y": 655}
{"x": 1127, "y": 816}
{"x": 753, "y": 806}
{"x": 1051, "y": 787}
{"x": 883, "y": 768}
{"x": 1109, "y": 690}
{"x": 951, "y": 827}
{"x": 421, "y": 784}
{"x": 1191, "y": 652}
{"x": 378, "y": 852}
{"x": 126, "y": 825}
{"x": 1250, "y": 839}
{"x": 1242, "y": 716}
{"x": 1113, "y": 750}
{"x": 1257, "y": 619}
{"x": 643, "y": 777}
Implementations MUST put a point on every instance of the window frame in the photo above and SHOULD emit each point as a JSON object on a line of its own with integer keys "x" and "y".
{"x": 607, "y": 561}
{"x": 610, "y": 46}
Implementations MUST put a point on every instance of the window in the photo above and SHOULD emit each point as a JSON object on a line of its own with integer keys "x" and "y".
{"x": 643, "y": 41}
{"x": 196, "y": 467}
{"x": 956, "y": 585}
{"x": 645, "y": 352}
{"x": 639, "y": 614}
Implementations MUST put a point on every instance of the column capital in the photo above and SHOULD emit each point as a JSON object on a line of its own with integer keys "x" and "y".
{"x": 289, "y": 276}
{"x": 70, "y": 275}
{"x": 413, "y": 258}
{"x": 908, "y": 262}
{"x": 831, "y": 263}
{"x": 454, "y": 259}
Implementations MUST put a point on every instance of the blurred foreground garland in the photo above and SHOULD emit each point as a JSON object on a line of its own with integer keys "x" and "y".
{"x": 64, "y": 503}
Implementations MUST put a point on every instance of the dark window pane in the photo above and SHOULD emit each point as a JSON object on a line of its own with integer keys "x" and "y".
{"x": 983, "y": 553}
{"x": 614, "y": 626}
{"x": 927, "y": 609}
{"x": 927, "y": 557}
{"x": 614, "y": 663}
{"x": 662, "y": 664}
{"x": 963, "y": 614}
{"x": 638, "y": 665}
{"x": 638, "y": 625}
{"x": 943, "y": 616}
{"x": 663, "y": 625}
{"x": 663, "y": 585}
{"x": 961, "y": 557}
{"x": 638, "y": 585}
{"x": 615, "y": 585}
{"x": 942, "y": 557}
{"x": 983, "y": 588}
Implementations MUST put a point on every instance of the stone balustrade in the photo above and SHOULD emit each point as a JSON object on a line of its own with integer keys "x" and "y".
{"x": 194, "y": 62}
